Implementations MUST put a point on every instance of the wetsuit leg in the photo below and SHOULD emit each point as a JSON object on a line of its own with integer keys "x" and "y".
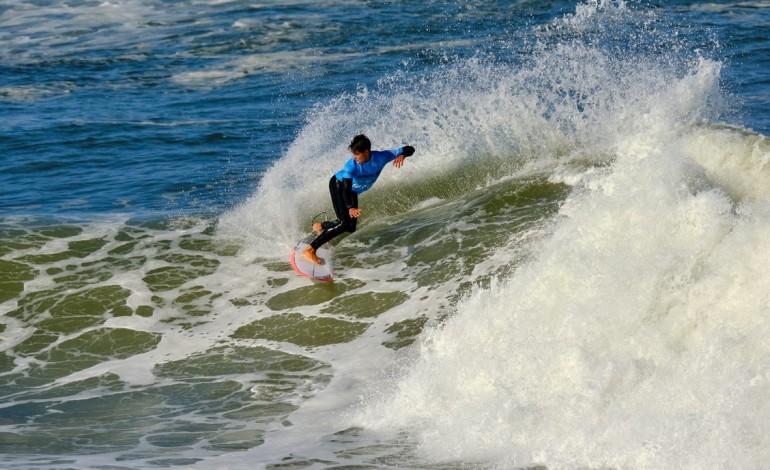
{"x": 345, "y": 223}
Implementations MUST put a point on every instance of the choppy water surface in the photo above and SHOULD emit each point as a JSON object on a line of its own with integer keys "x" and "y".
{"x": 569, "y": 273}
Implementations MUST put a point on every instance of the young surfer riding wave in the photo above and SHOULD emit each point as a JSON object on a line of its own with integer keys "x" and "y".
{"x": 358, "y": 175}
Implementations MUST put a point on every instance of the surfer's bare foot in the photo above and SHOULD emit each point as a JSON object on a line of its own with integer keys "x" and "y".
{"x": 317, "y": 227}
{"x": 309, "y": 254}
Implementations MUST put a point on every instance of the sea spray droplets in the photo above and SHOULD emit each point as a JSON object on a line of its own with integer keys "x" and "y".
{"x": 566, "y": 362}
{"x": 574, "y": 95}
{"x": 610, "y": 346}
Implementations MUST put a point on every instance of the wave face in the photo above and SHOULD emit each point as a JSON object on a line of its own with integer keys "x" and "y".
{"x": 634, "y": 336}
{"x": 581, "y": 90}
{"x": 570, "y": 272}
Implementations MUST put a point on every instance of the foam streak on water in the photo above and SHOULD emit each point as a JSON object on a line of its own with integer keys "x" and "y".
{"x": 570, "y": 272}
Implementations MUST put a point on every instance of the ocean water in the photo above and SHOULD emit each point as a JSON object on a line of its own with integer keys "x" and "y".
{"x": 570, "y": 273}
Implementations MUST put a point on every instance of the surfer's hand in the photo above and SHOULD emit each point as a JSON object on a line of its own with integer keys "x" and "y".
{"x": 398, "y": 161}
{"x": 354, "y": 212}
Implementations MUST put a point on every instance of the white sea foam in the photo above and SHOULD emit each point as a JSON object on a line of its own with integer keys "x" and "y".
{"x": 476, "y": 121}
{"x": 635, "y": 337}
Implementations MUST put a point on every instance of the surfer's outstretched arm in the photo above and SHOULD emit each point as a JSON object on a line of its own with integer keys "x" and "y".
{"x": 406, "y": 151}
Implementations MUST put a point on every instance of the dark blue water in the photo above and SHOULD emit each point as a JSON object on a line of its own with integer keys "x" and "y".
{"x": 156, "y": 108}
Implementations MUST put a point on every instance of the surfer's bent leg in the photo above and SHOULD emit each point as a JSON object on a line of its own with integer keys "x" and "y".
{"x": 344, "y": 222}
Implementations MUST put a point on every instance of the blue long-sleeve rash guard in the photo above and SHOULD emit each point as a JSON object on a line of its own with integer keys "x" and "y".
{"x": 363, "y": 175}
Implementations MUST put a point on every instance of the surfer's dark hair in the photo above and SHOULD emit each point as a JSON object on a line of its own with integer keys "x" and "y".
{"x": 360, "y": 144}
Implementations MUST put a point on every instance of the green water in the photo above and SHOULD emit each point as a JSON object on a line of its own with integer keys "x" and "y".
{"x": 160, "y": 342}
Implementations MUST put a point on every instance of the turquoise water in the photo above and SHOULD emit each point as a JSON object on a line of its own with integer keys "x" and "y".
{"x": 570, "y": 272}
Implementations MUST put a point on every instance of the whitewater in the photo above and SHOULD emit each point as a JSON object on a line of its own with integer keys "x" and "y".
{"x": 569, "y": 273}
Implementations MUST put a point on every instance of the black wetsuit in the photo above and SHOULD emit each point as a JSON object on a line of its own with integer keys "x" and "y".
{"x": 347, "y": 184}
{"x": 343, "y": 198}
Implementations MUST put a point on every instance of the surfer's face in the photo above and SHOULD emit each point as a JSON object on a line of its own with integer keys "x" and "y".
{"x": 362, "y": 157}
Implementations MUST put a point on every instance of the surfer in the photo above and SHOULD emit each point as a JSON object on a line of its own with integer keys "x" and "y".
{"x": 358, "y": 175}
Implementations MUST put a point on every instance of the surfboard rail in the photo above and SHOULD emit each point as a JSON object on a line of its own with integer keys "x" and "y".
{"x": 318, "y": 272}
